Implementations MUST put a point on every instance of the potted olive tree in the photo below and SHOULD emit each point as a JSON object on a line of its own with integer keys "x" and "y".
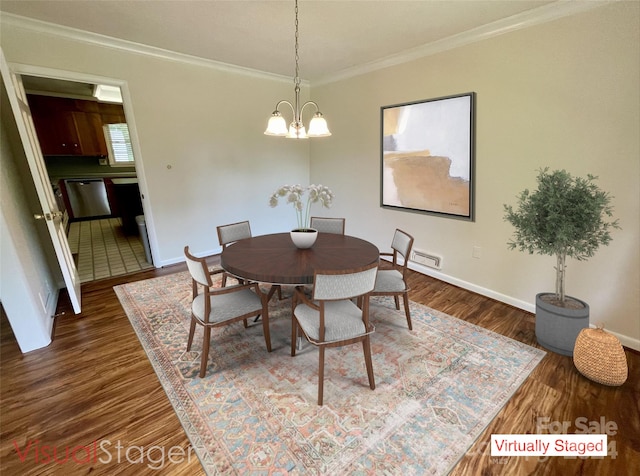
{"x": 565, "y": 217}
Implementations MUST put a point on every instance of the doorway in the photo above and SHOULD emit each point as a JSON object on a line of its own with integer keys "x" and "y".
{"x": 105, "y": 243}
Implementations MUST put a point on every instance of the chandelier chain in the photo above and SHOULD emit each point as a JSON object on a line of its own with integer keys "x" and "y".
{"x": 296, "y": 80}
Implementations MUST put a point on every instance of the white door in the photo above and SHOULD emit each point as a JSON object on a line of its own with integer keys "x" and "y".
{"x": 50, "y": 212}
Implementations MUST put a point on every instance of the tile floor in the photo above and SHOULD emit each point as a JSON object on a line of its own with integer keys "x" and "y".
{"x": 103, "y": 250}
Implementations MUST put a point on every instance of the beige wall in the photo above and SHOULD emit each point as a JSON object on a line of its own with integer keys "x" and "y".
{"x": 28, "y": 290}
{"x": 564, "y": 94}
{"x": 204, "y": 159}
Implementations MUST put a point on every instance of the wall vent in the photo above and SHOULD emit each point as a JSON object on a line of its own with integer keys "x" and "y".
{"x": 427, "y": 259}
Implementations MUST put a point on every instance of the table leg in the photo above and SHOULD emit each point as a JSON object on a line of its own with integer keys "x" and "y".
{"x": 272, "y": 291}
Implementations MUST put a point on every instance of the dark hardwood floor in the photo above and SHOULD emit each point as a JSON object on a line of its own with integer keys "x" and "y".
{"x": 94, "y": 392}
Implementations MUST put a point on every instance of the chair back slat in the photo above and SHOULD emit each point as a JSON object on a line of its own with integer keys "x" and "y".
{"x": 233, "y": 232}
{"x": 344, "y": 285}
{"x": 328, "y": 225}
{"x": 402, "y": 243}
{"x": 197, "y": 268}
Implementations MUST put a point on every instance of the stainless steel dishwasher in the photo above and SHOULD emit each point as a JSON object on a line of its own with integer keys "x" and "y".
{"x": 88, "y": 198}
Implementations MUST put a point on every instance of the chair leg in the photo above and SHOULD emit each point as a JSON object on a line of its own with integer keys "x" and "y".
{"x": 366, "y": 347}
{"x": 265, "y": 327}
{"x": 294, "y": 335}
{"x": 246, "y": 324}
{"x": 405, "y": 298}
{"x": 205, "y": 351}
{"x": 260, "y": 295}
{"x": 192, "y": 330}
{"x": 397, "y": 301}
{"x": 321, "y": 375}
{"x": 224, "y": 280}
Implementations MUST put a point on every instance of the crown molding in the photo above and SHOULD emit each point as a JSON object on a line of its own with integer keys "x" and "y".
{"x": 536, "y": 16}
{"x": 82, "y": 36}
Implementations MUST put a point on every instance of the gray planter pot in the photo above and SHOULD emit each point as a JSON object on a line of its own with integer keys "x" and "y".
{"x": 557, "y": 328}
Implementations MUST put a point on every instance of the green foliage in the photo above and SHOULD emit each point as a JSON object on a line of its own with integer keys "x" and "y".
{"x": 565, "y": 216}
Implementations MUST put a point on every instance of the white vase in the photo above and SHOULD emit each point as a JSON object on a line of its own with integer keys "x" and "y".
{"x": 304, "y": 238}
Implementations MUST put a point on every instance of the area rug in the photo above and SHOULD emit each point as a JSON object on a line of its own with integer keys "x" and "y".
{"x": 437, "y": 388}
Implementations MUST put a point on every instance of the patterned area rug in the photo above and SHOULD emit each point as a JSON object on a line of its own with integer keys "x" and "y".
{"x": 437, "y": 388}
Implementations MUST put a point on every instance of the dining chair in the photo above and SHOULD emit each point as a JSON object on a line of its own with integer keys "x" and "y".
{"x": 229, "y": 234}
{"x": 328, "y": 225}
{"x": 392, "y": 277}
{"x": 216, "y": 307}
{"x": 331, "y": 319}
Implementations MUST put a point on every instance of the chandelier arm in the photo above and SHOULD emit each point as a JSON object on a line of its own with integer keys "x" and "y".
{"x": 284, "y": 101}
{"x": 308, "y": 103}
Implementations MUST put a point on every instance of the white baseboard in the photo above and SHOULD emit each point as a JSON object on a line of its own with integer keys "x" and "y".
{"x": 526, "y": 306}
{"x": 170, "y": 262}
{"x": 626, "y": 341}
{"x": 180, "y": 259}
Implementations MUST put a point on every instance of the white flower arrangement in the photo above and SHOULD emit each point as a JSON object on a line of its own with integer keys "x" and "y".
{"x": 294, "y": 193}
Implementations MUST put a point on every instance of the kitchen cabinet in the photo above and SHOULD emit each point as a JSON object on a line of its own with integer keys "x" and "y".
{"x": 57, "y": 133}
{"x": 72, "y": 127}
{"x": 112, "y": 113}
{"x": 125, "y": 201}
{"x": 88, "y": 126}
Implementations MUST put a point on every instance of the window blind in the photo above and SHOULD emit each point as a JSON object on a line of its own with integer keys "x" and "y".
{"x": 119, "y": 143}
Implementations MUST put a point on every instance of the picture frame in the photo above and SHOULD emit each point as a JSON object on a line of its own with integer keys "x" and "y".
{"x": 427, "y": 156}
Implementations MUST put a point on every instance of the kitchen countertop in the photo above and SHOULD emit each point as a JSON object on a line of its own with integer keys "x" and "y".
{"x": 60, "y": 168}
{"x": 124, "y": 181}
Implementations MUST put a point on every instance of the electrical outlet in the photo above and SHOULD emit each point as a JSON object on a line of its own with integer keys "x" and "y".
{"x": 476, "y": 252}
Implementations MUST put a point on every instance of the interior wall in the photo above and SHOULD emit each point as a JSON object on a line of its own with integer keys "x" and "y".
{"x": 205, "y": 159}
{"x": 564, "y": 94}
{"x": 28, "y": 289}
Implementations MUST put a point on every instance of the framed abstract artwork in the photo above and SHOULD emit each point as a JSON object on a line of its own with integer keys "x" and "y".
{"x": 428, "y": 156}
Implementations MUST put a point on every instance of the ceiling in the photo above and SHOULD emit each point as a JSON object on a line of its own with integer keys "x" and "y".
{"x": 335, "y": 36}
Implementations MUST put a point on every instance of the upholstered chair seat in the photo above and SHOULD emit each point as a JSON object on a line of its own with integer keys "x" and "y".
{"x": 227, "y": 306}
{"x": 330, "y": 318}
{"x": 392, "y": 276}
{"x": 342, "y": 321}
{"x": 215, "y": 307}
{"x": 390, "y": 281}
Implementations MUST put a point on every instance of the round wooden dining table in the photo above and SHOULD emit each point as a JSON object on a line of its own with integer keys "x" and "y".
{"x": 274, "y": 259}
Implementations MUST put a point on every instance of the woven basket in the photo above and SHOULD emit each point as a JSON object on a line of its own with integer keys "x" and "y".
{"x": 599, "y": 356}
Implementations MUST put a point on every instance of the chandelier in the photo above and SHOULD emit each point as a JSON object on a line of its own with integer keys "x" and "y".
{"x": 277, "y": 126}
